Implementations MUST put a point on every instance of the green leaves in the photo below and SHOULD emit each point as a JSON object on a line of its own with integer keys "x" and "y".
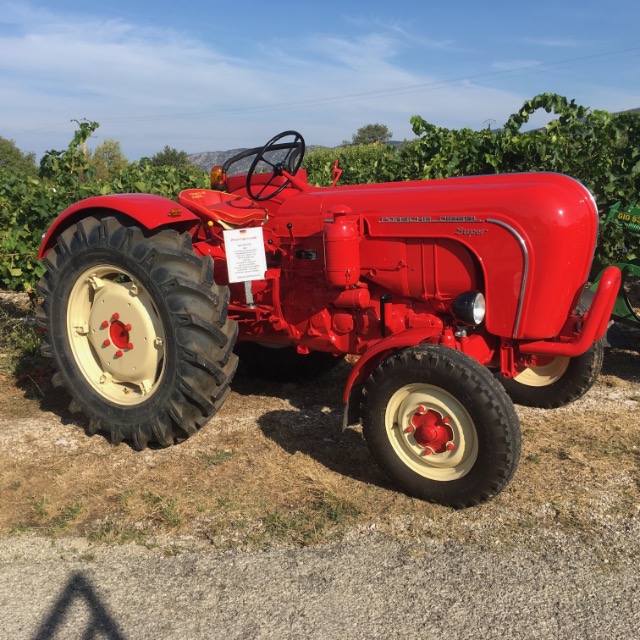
{"x": 29, "y": 204}
{"x": 370, "y": 134}
{"x": 361, "y": 164}
{"x": 598, "y": 149}
{"x": 12, "y": 157}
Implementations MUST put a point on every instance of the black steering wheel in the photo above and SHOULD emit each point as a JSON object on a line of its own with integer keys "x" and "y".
{"x": 290, "y": 162}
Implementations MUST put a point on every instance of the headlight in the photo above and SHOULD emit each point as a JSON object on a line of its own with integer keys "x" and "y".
{"x": 469, "y": 307}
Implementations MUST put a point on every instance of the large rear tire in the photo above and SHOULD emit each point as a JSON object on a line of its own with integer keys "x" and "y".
{"x": 440, "y": 426}
{"x": 137, "y": 329}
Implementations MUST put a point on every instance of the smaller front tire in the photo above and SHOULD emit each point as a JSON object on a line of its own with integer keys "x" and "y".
{"x": 554, "y": 382}
{"x": 440, "y": 426}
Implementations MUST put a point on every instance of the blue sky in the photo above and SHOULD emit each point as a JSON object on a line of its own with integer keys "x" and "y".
{"x": 203, "y": 76}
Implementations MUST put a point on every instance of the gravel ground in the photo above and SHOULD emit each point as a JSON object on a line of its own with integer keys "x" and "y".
{"x": 369, "y": 588}
{"x": 556, "y": 570}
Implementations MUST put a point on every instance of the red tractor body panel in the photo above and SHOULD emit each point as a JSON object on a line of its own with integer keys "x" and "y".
{"x": 148, "y": 210}
{"x": 430, "y": 240}
{"x": 335, "y": 252}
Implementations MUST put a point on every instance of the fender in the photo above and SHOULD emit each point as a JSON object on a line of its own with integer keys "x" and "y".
{"x": 150, "y": 211}
{"x": 366, "y": 364}
{"x": 594, "y": 326}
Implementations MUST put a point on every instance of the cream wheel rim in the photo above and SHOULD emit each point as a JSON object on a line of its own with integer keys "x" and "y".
{"x": 458, "y": 451}
{"x": 116, "y": 335}
{"x": 545, "y": 374}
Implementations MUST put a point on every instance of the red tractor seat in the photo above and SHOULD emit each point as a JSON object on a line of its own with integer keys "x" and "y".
{"x": 224, "y": 208}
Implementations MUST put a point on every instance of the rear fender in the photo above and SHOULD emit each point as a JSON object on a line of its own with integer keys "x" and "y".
{"x": 149, "y": 211}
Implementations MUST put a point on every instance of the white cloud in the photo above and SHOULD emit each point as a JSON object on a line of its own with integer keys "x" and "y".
{"x": 513, "y": 65}
{"x": 154, "y": 86}
{"x": 556, "y": 43}
{"x": 404, "y": 30}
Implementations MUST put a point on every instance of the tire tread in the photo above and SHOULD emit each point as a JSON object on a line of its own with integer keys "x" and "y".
{"x": 196, "y": 305}
{"x": 475, "y": 386}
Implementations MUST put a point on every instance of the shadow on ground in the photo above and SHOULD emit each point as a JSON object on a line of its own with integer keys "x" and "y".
{"x": 313, "y": 426}
{"x": 622, "y": 363}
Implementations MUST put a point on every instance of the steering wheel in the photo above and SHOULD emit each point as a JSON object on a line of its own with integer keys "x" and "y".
{"x": 290, "y": 163}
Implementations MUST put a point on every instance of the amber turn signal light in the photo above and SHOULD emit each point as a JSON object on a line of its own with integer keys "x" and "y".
{"x": 218, "y": 178}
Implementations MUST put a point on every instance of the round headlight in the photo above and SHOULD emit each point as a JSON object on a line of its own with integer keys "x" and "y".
{"x": 469, "y": 307}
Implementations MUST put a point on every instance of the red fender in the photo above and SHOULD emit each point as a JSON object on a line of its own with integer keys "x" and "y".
{"x": 372, "y": 357}
{"x": 150, "y": 211}
{"x": 594, "y": 326}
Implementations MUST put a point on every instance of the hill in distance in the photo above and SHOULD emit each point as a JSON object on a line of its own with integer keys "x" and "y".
{"x": 207, "y": 159}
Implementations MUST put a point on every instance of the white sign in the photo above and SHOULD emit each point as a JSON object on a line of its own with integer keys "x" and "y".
{"x": 246, "y": 258}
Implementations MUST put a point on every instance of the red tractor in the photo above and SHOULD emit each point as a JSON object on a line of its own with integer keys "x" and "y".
{"x": 455, "y": 294}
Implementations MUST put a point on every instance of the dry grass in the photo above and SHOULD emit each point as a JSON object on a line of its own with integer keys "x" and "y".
{"x": 274, "y": 467}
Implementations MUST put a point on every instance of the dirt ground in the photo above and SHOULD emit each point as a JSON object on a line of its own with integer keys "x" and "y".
{"x": 274, "y": 467}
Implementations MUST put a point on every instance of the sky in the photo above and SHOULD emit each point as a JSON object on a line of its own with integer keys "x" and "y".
{"x": 207, "y": 76}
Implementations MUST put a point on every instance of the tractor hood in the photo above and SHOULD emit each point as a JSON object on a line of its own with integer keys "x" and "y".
{"x": 532, "y": 234}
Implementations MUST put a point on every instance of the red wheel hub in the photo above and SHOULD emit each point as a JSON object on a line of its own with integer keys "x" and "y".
{"x": 432, "y": 431}
{"x": 119, "y": 334}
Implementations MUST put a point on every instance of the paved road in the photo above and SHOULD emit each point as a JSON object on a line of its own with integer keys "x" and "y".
{"x": 370, "y": 588}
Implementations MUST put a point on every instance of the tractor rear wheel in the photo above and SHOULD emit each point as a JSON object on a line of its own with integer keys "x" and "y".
{"x": 138, "y": 330}
{"x": 440, "y": 426}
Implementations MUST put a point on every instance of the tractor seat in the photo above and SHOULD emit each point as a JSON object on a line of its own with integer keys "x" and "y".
{"x": 224, "y": 208}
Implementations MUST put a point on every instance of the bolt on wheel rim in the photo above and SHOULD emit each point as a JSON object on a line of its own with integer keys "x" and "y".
{"x": 443, "y": 446}
{"x": 115, "y": 334}
{"x": 542, "y": 375}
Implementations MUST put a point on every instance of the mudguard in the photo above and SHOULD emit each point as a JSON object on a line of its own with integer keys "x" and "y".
{"x": 149, "y": 211}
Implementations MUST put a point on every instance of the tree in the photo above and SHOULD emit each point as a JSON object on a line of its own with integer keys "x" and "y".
{"x": 12, "y": 158}
{"x": 170, "y": 157}
{"x": 371, "y": 133}
{"x": 108, "y": 160}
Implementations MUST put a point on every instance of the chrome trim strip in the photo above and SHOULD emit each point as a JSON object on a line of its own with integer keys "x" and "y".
{"x": 525, "y": 269}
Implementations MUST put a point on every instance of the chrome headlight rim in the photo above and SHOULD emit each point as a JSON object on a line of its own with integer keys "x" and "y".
{"x": 470, "y": 308}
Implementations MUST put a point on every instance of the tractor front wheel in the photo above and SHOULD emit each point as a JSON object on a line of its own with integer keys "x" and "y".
{"x": 555, "y": 381}
{"x": 137, "y": 329}
{"x": 440, "y": 426}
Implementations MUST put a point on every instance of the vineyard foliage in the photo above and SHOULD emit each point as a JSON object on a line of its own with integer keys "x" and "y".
{"x": 29, "y": 204}
{"x": 597, "y": 148}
